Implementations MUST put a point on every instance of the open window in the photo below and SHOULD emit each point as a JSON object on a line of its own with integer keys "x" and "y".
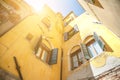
{"x": 8, "y": 19}
{"x": 72, "y": 32}
{"x": 46, "y": 22}
{"x": 44, "y": 53}
{"x": 96, "y": 45}
{"x": 76, "y": 57}
{"x": 95, "y": 2}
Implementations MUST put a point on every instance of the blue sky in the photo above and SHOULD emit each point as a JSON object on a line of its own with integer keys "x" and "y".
{"x": 63, "y": 6}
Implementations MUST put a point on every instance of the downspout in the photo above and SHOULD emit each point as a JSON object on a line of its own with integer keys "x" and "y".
{"x": 61, "y": 64}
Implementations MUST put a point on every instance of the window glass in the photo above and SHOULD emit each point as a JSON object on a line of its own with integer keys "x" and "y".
{"x": 77, "y": 58}
{"x": 44, "y": 56}
{"x": 80, "y": 56}
{"x": 97, "y": 47}
{"x": 76, "y": 28}
{"x": 75, "y": 61}
{"x": 92, "y": 50}
{"x": 38, "y": 52}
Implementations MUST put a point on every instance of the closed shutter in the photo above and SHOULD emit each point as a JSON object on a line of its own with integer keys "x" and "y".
{"x": 85, "y": 51}
{"x": 53, "y": 59}
{"x": 65, "y": 36}
{"x": 99, "y": 40}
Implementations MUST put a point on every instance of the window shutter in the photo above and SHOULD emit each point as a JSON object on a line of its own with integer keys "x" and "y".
{"x": 76, "y": 28}
{"x": 85, "y": 51}
{"x": 99, "y": 40}
{"x": 38, "y": 44}
{"x": 53, "y": 59}
{"x": 65, "y": 36}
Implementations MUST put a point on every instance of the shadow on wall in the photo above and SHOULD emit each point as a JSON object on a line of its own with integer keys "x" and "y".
{"x": 7, "y": 76}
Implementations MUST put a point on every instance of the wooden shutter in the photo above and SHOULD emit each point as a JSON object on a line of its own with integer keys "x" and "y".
{"x": 65, "y": 36}
{"x": 99, "y": 40}
{"x": 85, "y": 51}
{"x": 53, "y": 58}
{"x": 38, "y": 44}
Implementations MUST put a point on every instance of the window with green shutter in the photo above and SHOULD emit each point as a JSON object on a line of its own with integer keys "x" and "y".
{"x": 76, "y": 59}
{"x": 54, "y": 55}
{"x": 98, "y": 40}
{"x": 72, "y": 32}
{"x": 85, "y": 51}
{"x": 95, "y": 46}
{"x": 45, "y": 54}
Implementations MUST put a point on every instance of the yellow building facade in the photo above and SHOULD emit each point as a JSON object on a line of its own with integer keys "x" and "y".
{"x": 23, "y": 42}
{"x": 11, "y": 13}
{"x": 106, "y": 11}
{"x": 48, "y": 47}
{"x": 95, "y": 67}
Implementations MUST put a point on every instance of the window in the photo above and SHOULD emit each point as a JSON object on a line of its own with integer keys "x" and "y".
{"x": 46, "y": 22}
{"x": 8, "y": 19}
{"x": 45, "y": 54}
{"x": 85, "y": 52}
{"x": 97, "y": 45}
{"x": 76, "y": 59}
{"x": 54, "y": 54}
{"x": 69, "y": 18}
{"x": 95, "y": 2}
{"x": 95, "y": 49}
{"x": 68, "y": 35}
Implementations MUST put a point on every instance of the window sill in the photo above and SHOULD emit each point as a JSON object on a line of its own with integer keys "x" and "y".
{"x": 77, "y": 33}
{"x": 44, "y": 62}
{"x": 97, "y": 56}
{"x": 80, "y": 67}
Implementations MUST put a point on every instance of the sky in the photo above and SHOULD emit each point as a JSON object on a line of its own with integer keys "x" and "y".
{"x": 63, "y": 6}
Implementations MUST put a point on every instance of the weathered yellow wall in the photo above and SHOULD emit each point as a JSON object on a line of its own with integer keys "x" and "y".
{"x": 109, "y": 15}
{"x": 87, "y": 27}
{"x": 67, "y": 47}
{"x": 14, "y": 43}
{"x": 111, "y": 39}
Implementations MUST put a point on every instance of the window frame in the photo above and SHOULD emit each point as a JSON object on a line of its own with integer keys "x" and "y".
{"x": 52, "y": 54}
{"x": 71, "y": 33}
{"x": 95, "y": 3}
{"x": 46, "y": 21}
{"x": 106, "y": 48}
{"x": 76, "y": 53}
{"x": 43, "y": 48}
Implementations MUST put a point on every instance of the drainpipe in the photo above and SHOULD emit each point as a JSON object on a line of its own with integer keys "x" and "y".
{"x": 61, "y": 64}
